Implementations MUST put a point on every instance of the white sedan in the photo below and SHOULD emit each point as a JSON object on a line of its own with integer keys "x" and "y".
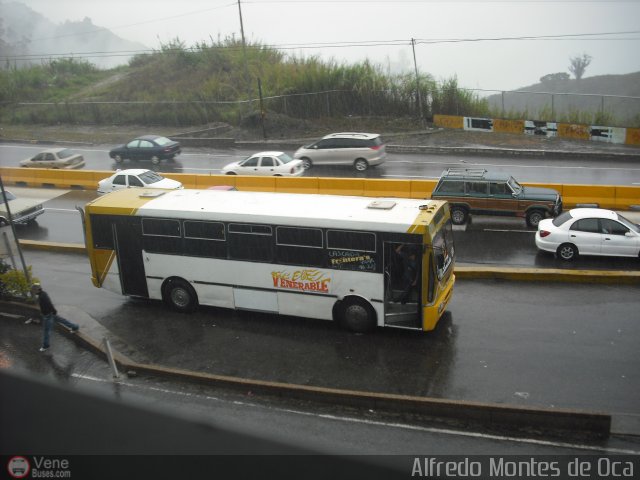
{"x": 589, "y": 231}
{"x": 277, "y": 164}
{"x": 136, "y": 177}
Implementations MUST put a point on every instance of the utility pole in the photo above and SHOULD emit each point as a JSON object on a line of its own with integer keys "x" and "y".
{"x": 415, "y": 64}
{"x": 244, "y": 54}
{"x": 15, "y": 237}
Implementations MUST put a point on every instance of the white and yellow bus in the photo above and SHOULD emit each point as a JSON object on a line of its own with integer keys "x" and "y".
{"x": 320, "y": 256}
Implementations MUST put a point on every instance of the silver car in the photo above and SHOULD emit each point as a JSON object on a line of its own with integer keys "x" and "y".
{"x": 361, "y": 150}
{"x": 55, "y": 158}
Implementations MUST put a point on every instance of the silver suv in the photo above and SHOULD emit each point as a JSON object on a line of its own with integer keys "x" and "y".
{"x": 361, "y": 150}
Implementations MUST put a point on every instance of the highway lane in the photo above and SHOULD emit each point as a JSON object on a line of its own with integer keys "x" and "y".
{"x": 398, "y": 165}
{"x": 529, "y": 344}
{"x": 485, "y": 241}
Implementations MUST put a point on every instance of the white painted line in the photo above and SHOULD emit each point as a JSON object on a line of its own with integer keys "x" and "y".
{"x": 63, "y": 210}
{"x": 410, "y": 176}
{"x": 507, "y": 230}
{"x": 198, "y": 169}
{"x": 507, "y": 165}
{"x": 443, "y": 431}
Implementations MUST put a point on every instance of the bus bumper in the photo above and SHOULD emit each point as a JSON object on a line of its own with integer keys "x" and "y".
{"x": 432, "y": 313}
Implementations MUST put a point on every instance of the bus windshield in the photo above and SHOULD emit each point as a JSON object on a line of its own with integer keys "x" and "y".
{"x": 443, "y": 249}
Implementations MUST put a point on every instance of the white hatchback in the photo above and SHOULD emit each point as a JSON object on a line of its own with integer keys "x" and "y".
{"x": 589, "y": 231}
{"x": 136, "y": 177}
{"x": 277, "y": 164}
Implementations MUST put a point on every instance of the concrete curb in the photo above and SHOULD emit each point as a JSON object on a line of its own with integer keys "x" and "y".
{"x": 462, "y": 271}
{"x": 528, "y": 421}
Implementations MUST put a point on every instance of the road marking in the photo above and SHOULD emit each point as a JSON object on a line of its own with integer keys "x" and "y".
{"x": 442, "y": 431}
{"x": 196, "y": 169}
{"x": 64, "y": 210}
{"x": 507, "y": 165}
{"x": 507, "y": 230}
{"x": 410, "y": 176}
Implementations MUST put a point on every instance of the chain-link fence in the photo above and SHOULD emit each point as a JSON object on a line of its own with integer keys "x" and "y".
{"x": 611, "y": 110}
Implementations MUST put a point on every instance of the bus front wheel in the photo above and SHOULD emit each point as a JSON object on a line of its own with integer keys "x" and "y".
{"x": 357, "y": 315}
{"x": 180, "y": 296}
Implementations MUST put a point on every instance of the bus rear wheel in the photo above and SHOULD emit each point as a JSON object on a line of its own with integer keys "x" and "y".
{"x": 357, "y": 315}
{"x": 180, "y": 296}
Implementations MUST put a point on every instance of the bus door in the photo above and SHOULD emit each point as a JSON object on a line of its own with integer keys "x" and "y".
{"x": 402, "y": 285}
{"x": 128, "y": 241}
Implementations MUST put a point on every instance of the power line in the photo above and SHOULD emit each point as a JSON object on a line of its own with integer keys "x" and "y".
{"x": 363, "y": 43}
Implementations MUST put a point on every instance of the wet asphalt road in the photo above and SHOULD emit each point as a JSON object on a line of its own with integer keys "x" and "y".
{"x": 550, "y": 345}
{"x": 485, "y": 241}
{"x": 576, "y": 170}
{"x": 323, "y": 429}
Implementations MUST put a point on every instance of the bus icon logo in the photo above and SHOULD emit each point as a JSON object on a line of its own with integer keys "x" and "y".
{"x": 18, "y": 467}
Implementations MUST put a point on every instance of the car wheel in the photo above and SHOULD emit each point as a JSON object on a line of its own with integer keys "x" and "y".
{"x": 567, "y": 252}
{"x": 534, "y": 217}
{"x": 361, "y": 164}
{"x": 459, "y": 215}
{"x": 231, "y": 173}
{"x": 306, "y": 163}
{"x": 118, "y": 159}
{"x": 155, "y": 160}
{"x": 180, "y": 295}
{"x": 358, "y": 316}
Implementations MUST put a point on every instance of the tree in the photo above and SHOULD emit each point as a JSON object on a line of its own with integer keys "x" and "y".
{"x": 555, "y": 77}
{"x": 579, "y": 65}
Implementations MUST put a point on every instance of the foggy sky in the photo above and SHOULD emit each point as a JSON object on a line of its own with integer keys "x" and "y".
{"x": 491, "y": 65}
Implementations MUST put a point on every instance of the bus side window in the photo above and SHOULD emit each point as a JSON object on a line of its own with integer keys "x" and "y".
{"x": 299, "y": 246}
{"x": 250, "y": 242}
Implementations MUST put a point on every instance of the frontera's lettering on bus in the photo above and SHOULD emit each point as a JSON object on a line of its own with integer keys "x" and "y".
{"x": 306, "y": 280}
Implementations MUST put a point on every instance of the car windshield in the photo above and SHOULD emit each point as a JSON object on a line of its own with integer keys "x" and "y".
{"x": 150, "y": 177}
{"x": 284, "y": 158}
{"x": 10, "y": 196}
{"x": 562, "y": 218}
{"x": 515, "y": 186}
{"x": 65, "y": 153}
{"x": 629, "y": 224}
{"x": 162, "y": 140}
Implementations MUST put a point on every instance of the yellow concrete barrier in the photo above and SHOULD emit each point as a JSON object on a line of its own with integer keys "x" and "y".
{"x": 448, "y": 121}
{"x": 421, "y": 188}
{"x": 341, "y": 186}
{"x": 617, "y": 197}
{"x": 377, "y": 187}
{"x": 603, "y": 195}
{"x": 298, "y": 185}
{"x": 625, "y": 197}
{"x": 259, "y": 184}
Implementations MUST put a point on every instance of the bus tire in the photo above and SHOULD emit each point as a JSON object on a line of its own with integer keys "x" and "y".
{"x": 357, "y": 315}
{"x": 179, "y": 295}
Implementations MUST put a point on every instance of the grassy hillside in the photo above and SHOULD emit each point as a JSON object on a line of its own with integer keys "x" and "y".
{"x": 224, "y": 82}
{"x": 219, "y": 82}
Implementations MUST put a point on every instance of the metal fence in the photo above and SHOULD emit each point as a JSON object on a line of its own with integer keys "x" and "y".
{"x": 611, "y": 110}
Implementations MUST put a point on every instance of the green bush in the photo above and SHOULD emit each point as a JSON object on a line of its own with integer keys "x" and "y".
{"x": 14, "y": 284}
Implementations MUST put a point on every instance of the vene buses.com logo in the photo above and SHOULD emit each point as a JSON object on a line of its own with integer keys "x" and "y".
{"x": 18, "y": 467}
